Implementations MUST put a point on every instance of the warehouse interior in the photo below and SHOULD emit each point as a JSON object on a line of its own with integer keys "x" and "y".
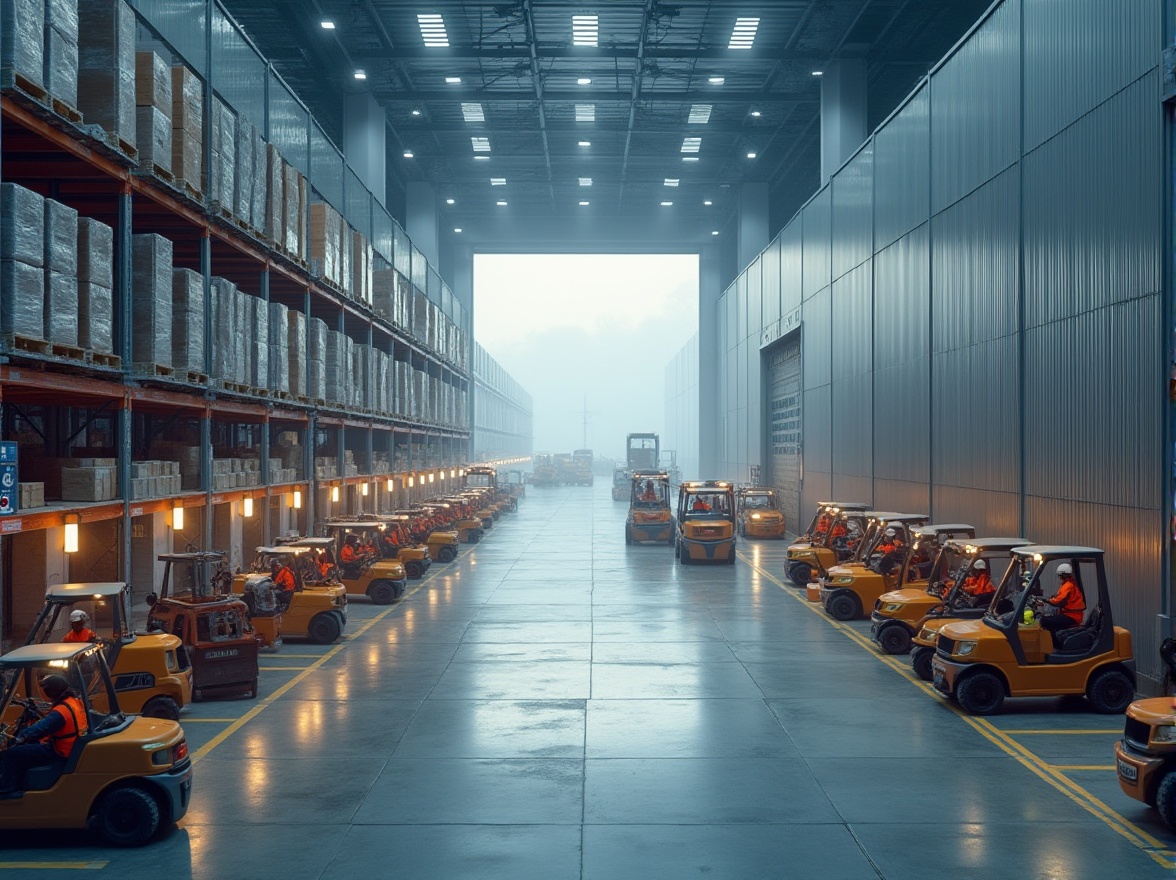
{"x": 239, "y": 310}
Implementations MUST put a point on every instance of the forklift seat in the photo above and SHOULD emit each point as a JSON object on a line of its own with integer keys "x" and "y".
{"x": 1077, "y": 640}
{"x": 44, "y": 777}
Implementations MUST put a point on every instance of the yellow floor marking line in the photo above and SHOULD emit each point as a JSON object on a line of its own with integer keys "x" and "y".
{"x": 1115, "y": 733}
{"x": 281, "y": 654}
{"x": 53, "y": 866}
{"x": 1155, "y": 848}
{"x": 264, "y": 704}
{"x": 283, "y": 668}
{"x": 1068, "y": 767}
{"x": 184, "y": 721}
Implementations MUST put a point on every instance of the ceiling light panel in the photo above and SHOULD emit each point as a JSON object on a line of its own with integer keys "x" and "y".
{"x": 691, "y": 144}
{"x": 585, "y": 181}
{"x": 473, "y": 113}
{"x": 585, "y": 113}
{"x": 671, "y": 181}
{"x": 453, "y": 80}
{"x": 699, "y": 114}
{"x": 498, "y": 181}
{"x": 585, "y": 30}
{"x": 433, "y": 30}
{"x": 480, "y": 144}
{"x": 743, "y": 34}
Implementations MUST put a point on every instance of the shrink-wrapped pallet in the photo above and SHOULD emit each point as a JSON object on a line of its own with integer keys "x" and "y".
{"x": 60, "y": 71}
{"x": 153, "y": 134}
{"x": 22, "y": 299}
{"x": 419, "y": 398}
{"x": 324, "y": 241}
{"x": 95, "y": 317}
{"x": 279, "y": 342}
{"x": 106, "y": 52}
{"x": 224, "y": 156}
{"x": 384, "y": 293}
{"x": 275, "y": 228}
{"x": 258, "y": 311}
{"x": 61, "y": 238}
{"x": 420, "y": 315}
{"x": 95, "y": 252}
{"x": 245, "y": 339}
{"x": 153, "y": 83}
{"x": 303, "y": 212}
{"x": 290, "y": 211}
{"x": 151, "y": 299}
{"x": 316, "y": 367}
{"x": 260, "y": 188}
{"x": 346, "y": 248}
{"x": 188, "y": 320}
{"x": 333, "y": 355}
{"x": 22, "y": 39}
{"x": 243, "y": 174}
{"x": 361, "y": 268}
{"x": 61, "y": 307}
{"x": 225, "y": 338}
{"x": 187, "y": 115}
{"x": 296, "y": 350}
{"x": 22, "y": 225}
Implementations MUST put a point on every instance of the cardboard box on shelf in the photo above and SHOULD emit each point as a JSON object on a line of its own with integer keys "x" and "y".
{"x": 153, "y": 83}
{"x": 151, "y": 299}
{"x": 106, "y": 52}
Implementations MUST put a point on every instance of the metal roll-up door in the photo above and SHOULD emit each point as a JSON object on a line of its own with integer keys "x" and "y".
{"x": 783, "y": 408}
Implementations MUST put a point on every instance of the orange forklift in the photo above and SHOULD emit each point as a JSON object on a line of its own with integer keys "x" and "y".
{"x": 1018, "y": 652}
{"x": 316, "y": 607}
{"x": 388, "y": 533}
{"x": 422, "y": 528}
{"x": 833, "y": 536}
{"x": 381, "y": 580}
{"x": 467, "y": 524}
{"x": 195, "y": 603}
{"x": 1145, "y": 758}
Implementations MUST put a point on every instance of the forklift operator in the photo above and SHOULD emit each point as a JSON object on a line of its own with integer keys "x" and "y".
{"x": 1069, "y": 602}
{"x": 284, "y": 583}
{"x": 979, "y": 585}
{"x": 700, "y": 506}
{"x": 48, "y": 741}
{"x": 649, "y": 494}
{"x": 78, "y": 631}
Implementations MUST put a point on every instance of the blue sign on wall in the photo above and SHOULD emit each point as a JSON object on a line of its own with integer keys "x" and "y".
{"x": 9, "y": 480}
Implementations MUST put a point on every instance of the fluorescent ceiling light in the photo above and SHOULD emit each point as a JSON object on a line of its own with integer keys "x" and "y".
{"x": 714, "y": 232}
{"x": 498, "y": 181}
{"x": 708, "y": 203}
{"x": 433, "y": 30}
{"x": 327, "y": 25}
{"x": 452, "y": 80}
{"x": 585, "y": 113}
{"x": 480, "y": 144}
{"x": 756, "y": 114}
{"x": 743, "y": 34}
{"x": 481, "y": 158}
{"x": 691, "y": 144}
{"x": 585, "y": 181}
{"x": 449, "y": 201}
{"x": 359, "y": 74}
{"x": 457, "y": 229}
{"x": 818, "y": 73}
{"x": 699, "y": 114}
{"x": 585, "y": 30}
{"x": 584, "y": 81}
{"x": 473, "y": 112}
{"x": 689, "y": 158}
{"x": 502, "y": 203}
{"x": 416, "y": 112}
{"x": 408, "y": 154}
{"x": 667, "y": 204}
{"x": 751, "y": 155}
{"x": 670, "y": 181}
{"x": 585, "y": 143}
{"x": 583, "y": 203}
{"x": 717, "y": 80}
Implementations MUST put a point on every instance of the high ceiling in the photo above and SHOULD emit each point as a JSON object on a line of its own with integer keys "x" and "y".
{"x": 654, "y": 63}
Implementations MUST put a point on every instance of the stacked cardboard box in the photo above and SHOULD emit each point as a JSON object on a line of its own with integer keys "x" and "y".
{"x": 361, "y": 269}
{"x": 346, "y": 258}
{"x": 244, "y": 172}
{"x": 153, "y": 111}
{"x": 151, "y": 300}
{"x": 257, "y": 312}
{"x": 187, "y": 115}
{"x": 293, "y": 207}
{"x": 221, "y": 181}
{"x": 296, "y": 350}
{"x": 225, "y": 339}
{"x": 337, "y": 359}
{"x": 235, "y": 473}
{"x": 188, "y": 320}
{"x": 91, "y": 479}
{"x": 106, "y": 90}
{"x": 279, "y": 347}
{"x": 22, "y": 39}
{"x": 316, "y": 366}
{"x": 61, "y": 273}
{"x": 274, "y": 226}
{"x": 22, "y": 261}
{"x": 60, "y": 72}
{"x": 95, "y": 250}
{"x": 326, "y": 243}
{"x": 31, "y": 495}
{"x": 326, "y": 467}
{"x": 155, "y": 479}
{"x": 419, "y": 392}
{"x": 186, "y": 458}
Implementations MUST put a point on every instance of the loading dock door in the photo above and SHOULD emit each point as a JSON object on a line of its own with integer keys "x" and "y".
{"x": 783, "y": 426}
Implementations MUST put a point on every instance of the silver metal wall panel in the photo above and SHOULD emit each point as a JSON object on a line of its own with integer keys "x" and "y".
{"x": 975, "y": 401}
{"x": 1079, "y": 53}
{"x": 182, "y": 23}
{"x": 817, "y": 220}
{"x": 1132, "y": 540}
{"x": 770, "y": 267}
{"x": 992, "y": 513}
{"x": 791, "y": 265}
{"x": 816, "y": 317}
{"x": 1083, "y": 378}
{"x": 902, "y": 300}
{"x": 754, "y": 414}
{"x": 1093, "y": 216}
{"x": 382, "y": 235}
{"x": 326, "y": 168}
{"x": 739, "y": 303}
{"x": 902, "y": 170}
{"x": 975, "y": 272}
{"x": 976, "y": 108}
{"x": 853, "y": 323}
{"x": 755, "y": 298}
{"x": 238, "y": 72}
{"x": 730, "y": 302}
{"x": 817, "y": 487}
{"x": 289, "y": 125}
{"x": 853, "y": 212}
{"x": 816, "y": 416}
{"x": 359, "y": 204}
{"x": 849, "y": 486}
{"x": 902, "y": 496}
{"x": 853, "y": 433}
{"x": 902, "y": 422}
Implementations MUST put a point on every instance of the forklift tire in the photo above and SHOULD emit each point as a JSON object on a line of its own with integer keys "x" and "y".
{"x": 628, "y": 538}
{"x": 446, "y": 554}
{"x": 1164, "y": 799}
{"x": 683, "y": 554}
{"x": 382, "y": 592}
{"x": 921, "y": 662}
{"x": 324, "y": 628}
{"x": 980, "y": 693}
{"x": 670, "y": 539}
{"x": 1110, "y": 691}
{"x": 127, "y": 816}
{"x": 800, "y": 573}
{"x": 161, "y": 706}
{"x": 252, "y": 692}
{"x": 895, "y": 639}
{"x": 843, "y": 606}
{"x": 731, "y": 556}
{"x": 413, "y": 570}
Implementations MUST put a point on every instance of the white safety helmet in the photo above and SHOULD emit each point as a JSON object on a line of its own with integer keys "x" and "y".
{"x": 980, "y": 565}
{"x": 890, "y": 533}
{"x": 79, "y": 614}
{"x": 1064, "y": 569}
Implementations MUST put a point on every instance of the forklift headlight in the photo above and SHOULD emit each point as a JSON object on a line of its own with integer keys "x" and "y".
{"x": 1164, "y": 733}
{"x": 963, "y": 649}
{"x": 756, "y": 516}
{"x": 926, "y": 634}
{"x": 843, "y": 580}
{"x": 891, "y": 607}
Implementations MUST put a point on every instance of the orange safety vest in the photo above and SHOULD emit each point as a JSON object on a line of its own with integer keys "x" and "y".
{"x": 324, "y": 567}
{"x": 1070, "y": 601}
{"x": 284, "y": 579}
{"x": 76, "y": 725}
{"x": 979, "y": 585}
{"x": 348, "y": 554}
{"x": 86, "y": 635}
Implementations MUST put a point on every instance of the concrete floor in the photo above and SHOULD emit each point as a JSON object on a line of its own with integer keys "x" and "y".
{"x": 558, "y": 705}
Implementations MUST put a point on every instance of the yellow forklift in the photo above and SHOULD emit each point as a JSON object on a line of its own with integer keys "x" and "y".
{"x": 1145, "y": 758}
{"x": 388, "y": 533}
{"x": 381, "y": 580}
{"x": 127, "y": 776}
{"x": 650, "y": 518}
{"x": 1013, "y": 653}
{"x": 316, "y": 609}
{"x": 152, "y": 672}
{"x": 833, "y": 536}
{"x": 419, "y": 525}
{"x": 705, "y": 522}
{"x": 757, "y": 510}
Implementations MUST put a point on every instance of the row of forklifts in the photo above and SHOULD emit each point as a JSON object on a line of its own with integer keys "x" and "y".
{"x": 129, "y": 773}
{"x": 563, "y": 468}
{"x": 978, "y": 617}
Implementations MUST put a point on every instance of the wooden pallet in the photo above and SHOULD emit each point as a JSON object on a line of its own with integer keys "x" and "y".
{"x": 234, "y": 387}
{"x": 281, "y": 395}
{"x": 122, "y": 146}
{"x": 159, "y": 171}
{"x": 189, "y": 189}
{"x": 192, "y": 377}
{"x": 153, "y": 371}
{"x": 13, "y": 79}
{"x": 14, "y": 342}
{"x": 70, "y": 352}
{"x": 66, "y": 110}
{"x": 102, "y": 359}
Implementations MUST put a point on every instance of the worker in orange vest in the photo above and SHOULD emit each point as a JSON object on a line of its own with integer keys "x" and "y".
{"x": 78, "y": 631}
{"x": 1068, "y": 600}
{"x": 979, "y": 584}
{"x": 284, "y": 583}
{"x": 49, "y": 741}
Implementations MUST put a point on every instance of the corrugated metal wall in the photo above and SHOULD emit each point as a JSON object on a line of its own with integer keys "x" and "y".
{"x": 980, "y": 290}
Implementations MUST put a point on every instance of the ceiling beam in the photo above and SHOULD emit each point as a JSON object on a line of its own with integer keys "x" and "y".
{"x": 713, "y": 95}
{"x": 579, "y": 129}
{"x": 760, "y": 55}
{"x": 635, "y": 96}
{"x": 537, "y": 83}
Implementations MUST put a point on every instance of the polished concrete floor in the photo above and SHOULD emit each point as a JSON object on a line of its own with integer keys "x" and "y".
{"x": 557, "y": 705}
